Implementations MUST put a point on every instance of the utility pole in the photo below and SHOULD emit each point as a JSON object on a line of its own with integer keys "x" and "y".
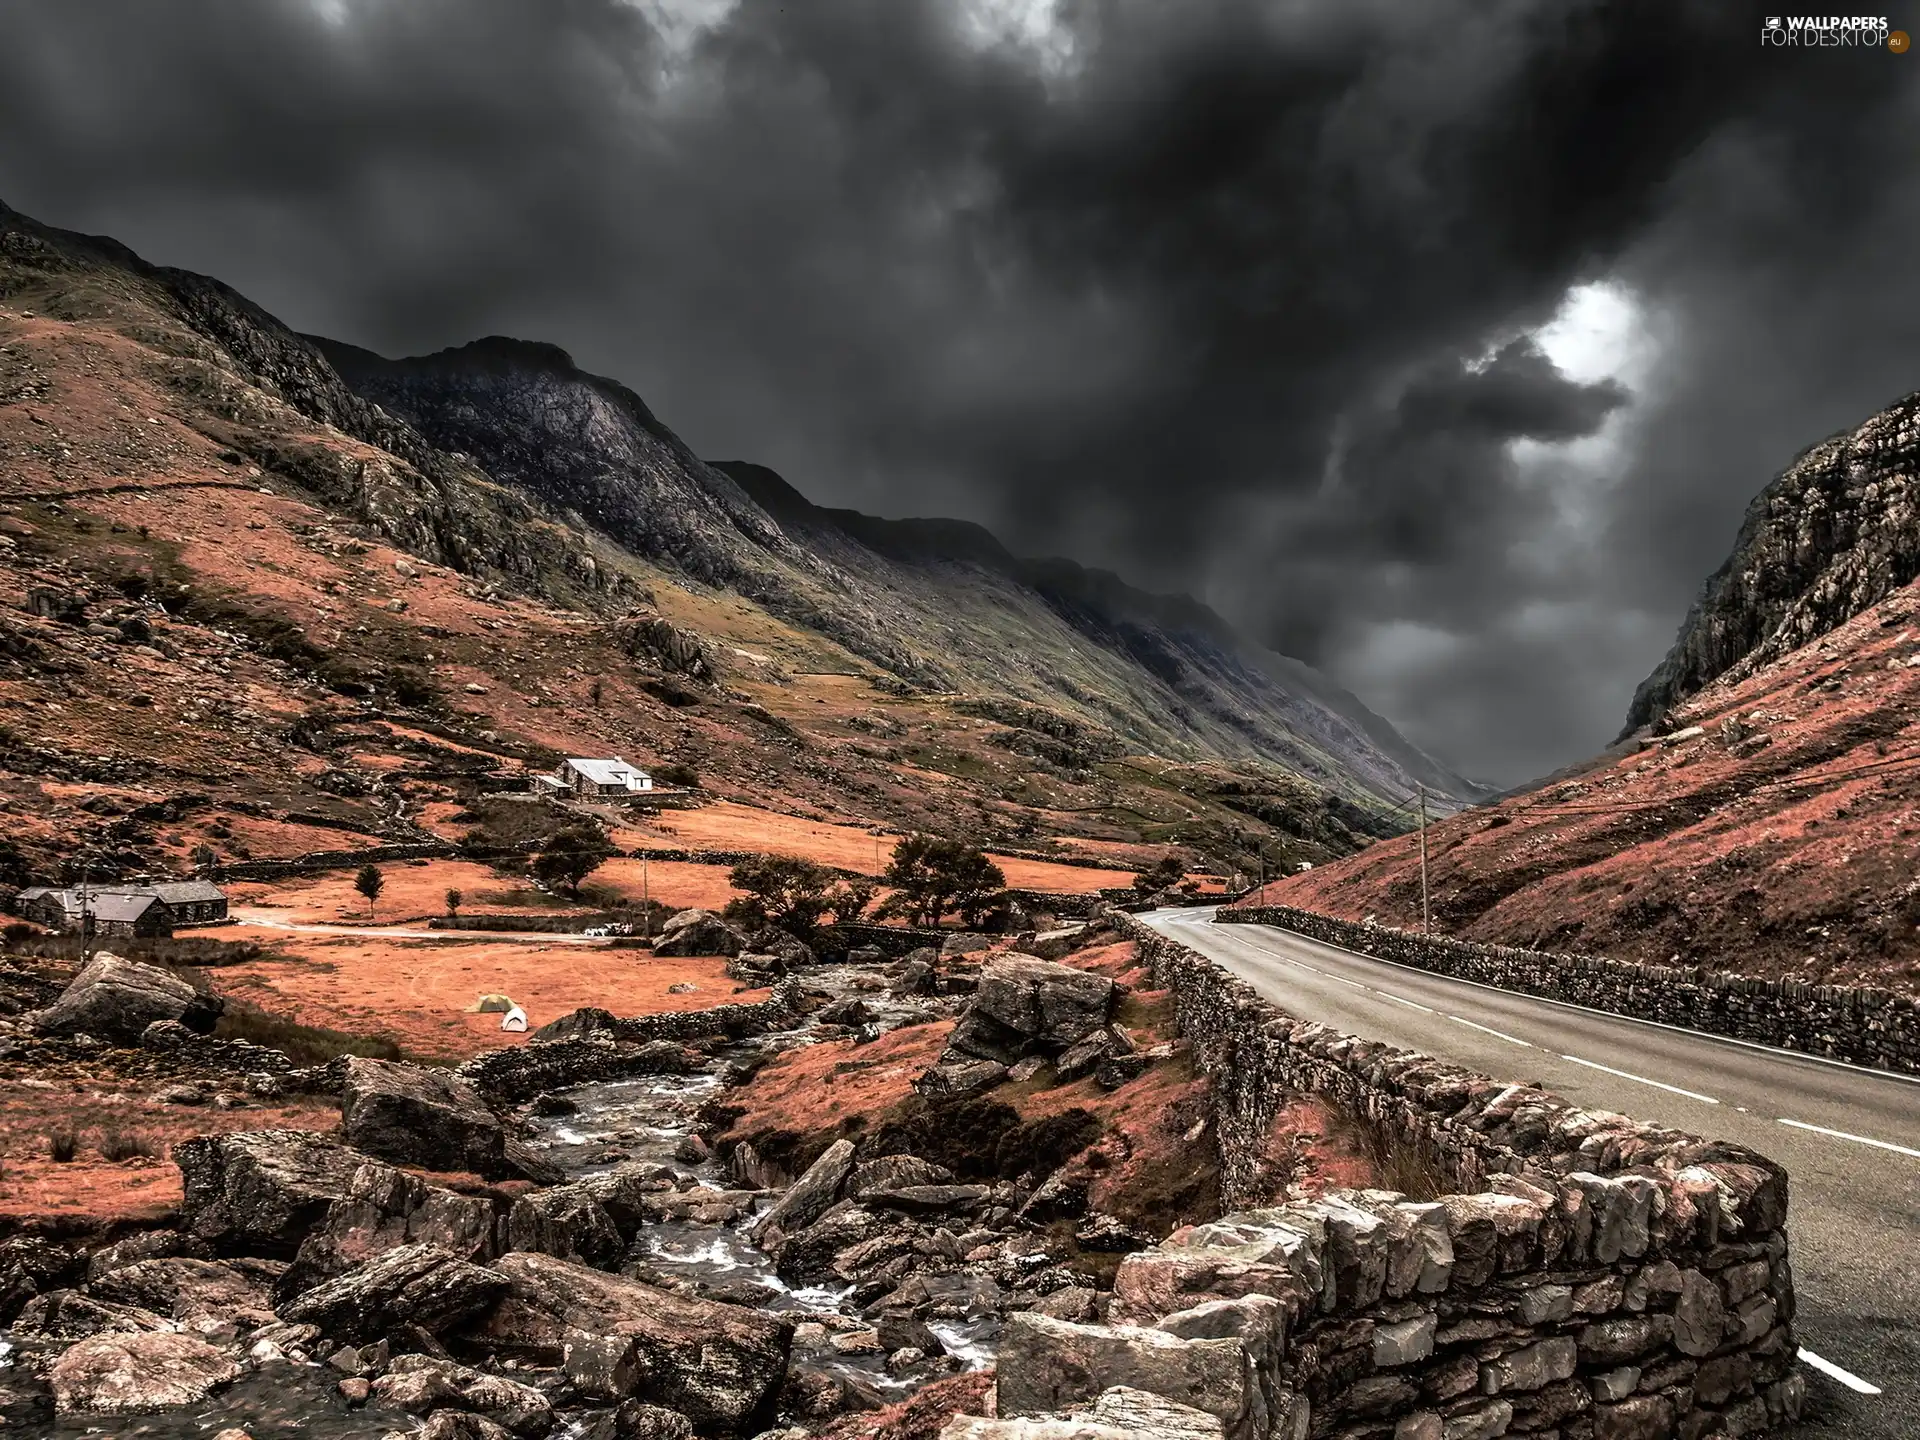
{"x": 1426, "y": 916}
{"x": 646, "y": 901}
{"x": 86, "y": 918}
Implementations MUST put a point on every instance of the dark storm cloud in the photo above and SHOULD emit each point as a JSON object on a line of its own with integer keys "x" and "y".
{"x": 1226, "y": 295}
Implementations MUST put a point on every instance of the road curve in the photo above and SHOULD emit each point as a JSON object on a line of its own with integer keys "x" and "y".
{"x": 1849, "y": 1138}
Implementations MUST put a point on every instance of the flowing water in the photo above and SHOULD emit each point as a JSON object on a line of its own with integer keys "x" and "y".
{"x": 645, "y": 1119}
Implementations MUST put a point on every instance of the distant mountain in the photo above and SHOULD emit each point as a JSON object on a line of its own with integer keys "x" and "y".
{"x": 940, "y": 604}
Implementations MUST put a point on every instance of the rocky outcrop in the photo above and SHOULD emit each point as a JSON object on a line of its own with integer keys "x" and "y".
{"x": 1023, "y": 1006}
{"x": 698, "y": 932}
{"x": 719, "y": 1365}
{"x": 654, "y": 641}
{"x": 116, "y": 999}
{"x": 1837, "y": 532}
{"x": 422, "y": 1384}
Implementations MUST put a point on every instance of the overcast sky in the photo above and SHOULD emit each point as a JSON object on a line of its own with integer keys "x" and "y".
{"x": 1438, "y": 343}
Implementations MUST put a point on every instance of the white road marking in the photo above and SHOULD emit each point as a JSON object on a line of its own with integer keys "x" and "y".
{"x": 1845, "y": 1377}
{"x": 1344, "y": 981}
{"x": 1205, "y": 917}
{"x": 1629, "y": 1075}
{"x": 1857, "y": 1139}
{"x": 1408, "y": 1003}
{"x": 1497, "y": 1034}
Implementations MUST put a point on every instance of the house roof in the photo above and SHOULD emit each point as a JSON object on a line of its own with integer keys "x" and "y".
{"x": 607, "y": 772}
{"x": 36, "y": 892}
{"x": 119, "y": 905}
{"x": 186, "y": 892}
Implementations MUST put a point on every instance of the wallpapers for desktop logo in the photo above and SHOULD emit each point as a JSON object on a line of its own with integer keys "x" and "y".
{"x": 1858, "y": 32}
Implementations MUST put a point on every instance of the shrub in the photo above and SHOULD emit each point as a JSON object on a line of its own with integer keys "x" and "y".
{"x": 675, "y": 772}
{"x": 61, "y": 1145}
{"x": 932, "y": 875}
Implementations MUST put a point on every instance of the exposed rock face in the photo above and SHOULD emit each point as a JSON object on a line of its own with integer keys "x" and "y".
{"x": 417, "y": 1116}
{"x": 809, "y": 1197}
{"x": 719, "y": 1365}
{"x": 1046, "y": 1365}
{"x": 656, "y": 642}
{"x": 1837, "y": 532}
{"x": 139, "y": 1373}
{"x": 1028, "y": 1006}
{"x": 115, "y": 999}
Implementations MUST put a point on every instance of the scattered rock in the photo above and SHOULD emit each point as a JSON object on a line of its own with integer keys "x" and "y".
{"x": 115, "y": 999}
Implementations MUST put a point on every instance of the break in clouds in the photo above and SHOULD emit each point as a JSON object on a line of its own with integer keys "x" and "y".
{"x": 1438, "y": 343}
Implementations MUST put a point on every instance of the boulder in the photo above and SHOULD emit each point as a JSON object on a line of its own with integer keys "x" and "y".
{"x": 893, "y": 1172}
{"x": 460, "y": 1425}
{"x": 420, "y": 1285}
{"x": 138, "y": 1373}
{"x": 1025, "y": 1005}
{"x": 258, "y": 1192}
{"x": 1046, "y": 1365}
{"x": 794, "y": 952}
{"x": 69, "y": 1315}
{"x": 413, "y": 1115}
{"x": 1120, "y": 1413}
{"x": 182, "y": 1288}
{"x": 579, "y": 1024}
{"x": 916, "y": 977}
{"x": 1090, "y": 1051}
{"x": 143, "y": 1245}
{"x": 809, "y": 1197}
{"x": 960, "y": 1076}
{"x": 29, "y": 1266}
{"x": 964, "y": 943}
{"x": 566, "y": 1221}
{"x": 115, "y": 999}
{"x": 698, "y": 932}
{"x": 719, "y": 1365}
{"x": 383, "y": 1208}
{"x": 1053, "y": 944}
{"x": 421, "y": 1384}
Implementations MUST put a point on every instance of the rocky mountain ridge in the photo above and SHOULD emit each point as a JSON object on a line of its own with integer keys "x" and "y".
{"x": 941, "y": 605}
{"x": 1837, "y": 532}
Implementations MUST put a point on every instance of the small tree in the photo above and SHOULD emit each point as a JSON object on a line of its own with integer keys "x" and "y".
{"x": 780, "y": 890}
{"x": 848, "y": 900}
{"x": 597, "y": 691}
{"x": 205, "y": 857}
{"x": 1165, "y": 872}
{"x": 454, "y": 897}
{"x": 370, "y": 882}
{"x": 932, "y": 875}
{"x": 571, "y": 855}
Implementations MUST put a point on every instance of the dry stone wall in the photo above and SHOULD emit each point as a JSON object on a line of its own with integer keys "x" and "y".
{"x": 1858, "y": 1024}
{"x": 1595, "y": 1278}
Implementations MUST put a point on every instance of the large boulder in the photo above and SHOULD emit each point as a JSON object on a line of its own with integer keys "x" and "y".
{"x": 383, "y": 1208}
{"x": 698, "y": 932}
{"x": 419, "y": 1285}
{"x": 259, "y": 1192}
{"x": 417, "y": 1116}
{"x": 811, "y": 1196}
{"x": 1046, "y": 1365}
{"x": 69, "y": 1315}
{"x": 567, "y": 1221}
{"x": 719, "y": 1365}
{"x": 184, "y": 1288}
{"x": 1028, "y": 1006}
{"x": 133, "y": 1374}
{"x": 1119, "y": 1414}
{"x": 115, "y": 999}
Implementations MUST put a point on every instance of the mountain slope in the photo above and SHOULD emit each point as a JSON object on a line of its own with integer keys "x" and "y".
{"x": 941, "y": 605}
{"x": 253, "y": 605}
{"x": 1836, "y": 532}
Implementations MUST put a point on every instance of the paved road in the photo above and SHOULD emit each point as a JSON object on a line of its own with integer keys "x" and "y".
{"x": 1850, "y": 1138}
